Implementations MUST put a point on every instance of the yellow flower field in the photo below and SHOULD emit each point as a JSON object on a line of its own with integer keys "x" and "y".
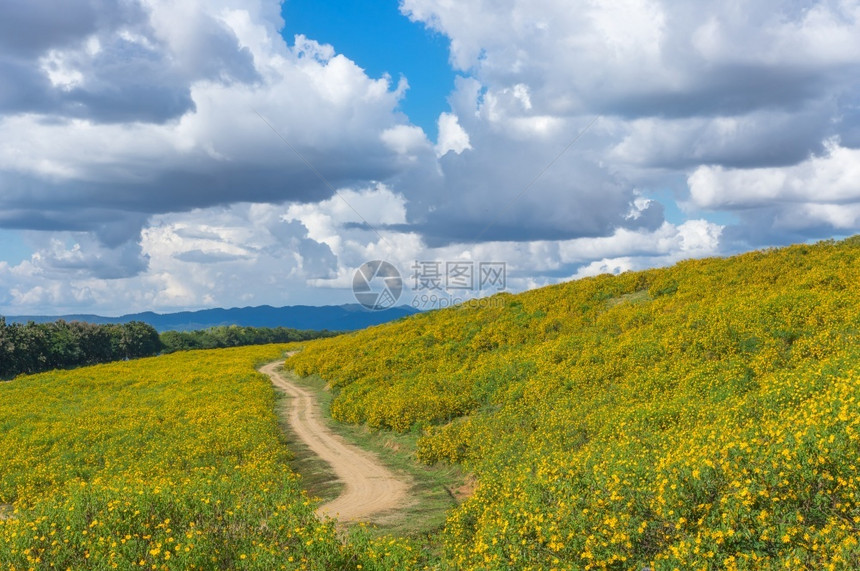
{"x": 171, "y": 462}
{"x": 703, "y": 416}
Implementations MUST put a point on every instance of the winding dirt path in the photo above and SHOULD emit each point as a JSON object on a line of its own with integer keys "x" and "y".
{"x": 370, "y": 488}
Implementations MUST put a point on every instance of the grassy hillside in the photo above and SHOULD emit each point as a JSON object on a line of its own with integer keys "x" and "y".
{"x": 701, "y": 416}
{"x": 172, "y": 462}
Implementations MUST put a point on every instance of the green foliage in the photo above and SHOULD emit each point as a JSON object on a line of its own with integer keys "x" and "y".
{"x": 235, "y": 336}
{"x": 701, "y": 416}
{"x": 35, "y": 347}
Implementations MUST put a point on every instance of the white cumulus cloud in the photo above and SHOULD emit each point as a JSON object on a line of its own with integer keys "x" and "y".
{"x": 452, "y": 137}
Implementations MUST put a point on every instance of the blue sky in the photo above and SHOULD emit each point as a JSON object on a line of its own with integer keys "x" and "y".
{"x": 381, "y": 40}
{"x": 143, "y": 163}
{"x": 14, "y": 248}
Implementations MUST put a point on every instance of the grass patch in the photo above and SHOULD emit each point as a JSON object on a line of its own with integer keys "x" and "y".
{"x": 317, "y": 477}
{"x": 640, "y": 296}
{"x": 433, "y": 489}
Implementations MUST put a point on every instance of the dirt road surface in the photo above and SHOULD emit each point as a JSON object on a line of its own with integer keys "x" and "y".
{"x": 370, "y": 488}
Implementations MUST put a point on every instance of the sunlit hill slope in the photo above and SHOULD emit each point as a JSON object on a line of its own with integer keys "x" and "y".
{"x": 171, "y": 463}
{"x": 700, "y": 416}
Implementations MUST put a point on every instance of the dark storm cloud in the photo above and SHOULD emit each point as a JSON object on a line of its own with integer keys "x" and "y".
{"x": 197, "y": 234}
{"x": 767, "y": 225}
{"x": 201, "y": 257}
{"x": 758, "y": 139}
{"x": 129, "y": 74}
{"x": 23, "y": 87}
{"x": 28, "y": 28}
{"x": 726, "y": 90}
{"x": 87, "y": 258}
{"x": 445, "y": 228}
{"x": 848, "y": 123}
{"x": 514, "y": 188}
{"x": 116, "y": 210}
{"x": 112, "y": 227}
{"x": 123, "y": 262}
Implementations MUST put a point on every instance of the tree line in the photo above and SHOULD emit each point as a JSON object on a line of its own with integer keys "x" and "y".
{"x": 27, "y": 348}
{"x": 235, "y": 336}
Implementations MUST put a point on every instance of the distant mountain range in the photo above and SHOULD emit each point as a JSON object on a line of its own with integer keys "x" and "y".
{"x": 347, "y": 317}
